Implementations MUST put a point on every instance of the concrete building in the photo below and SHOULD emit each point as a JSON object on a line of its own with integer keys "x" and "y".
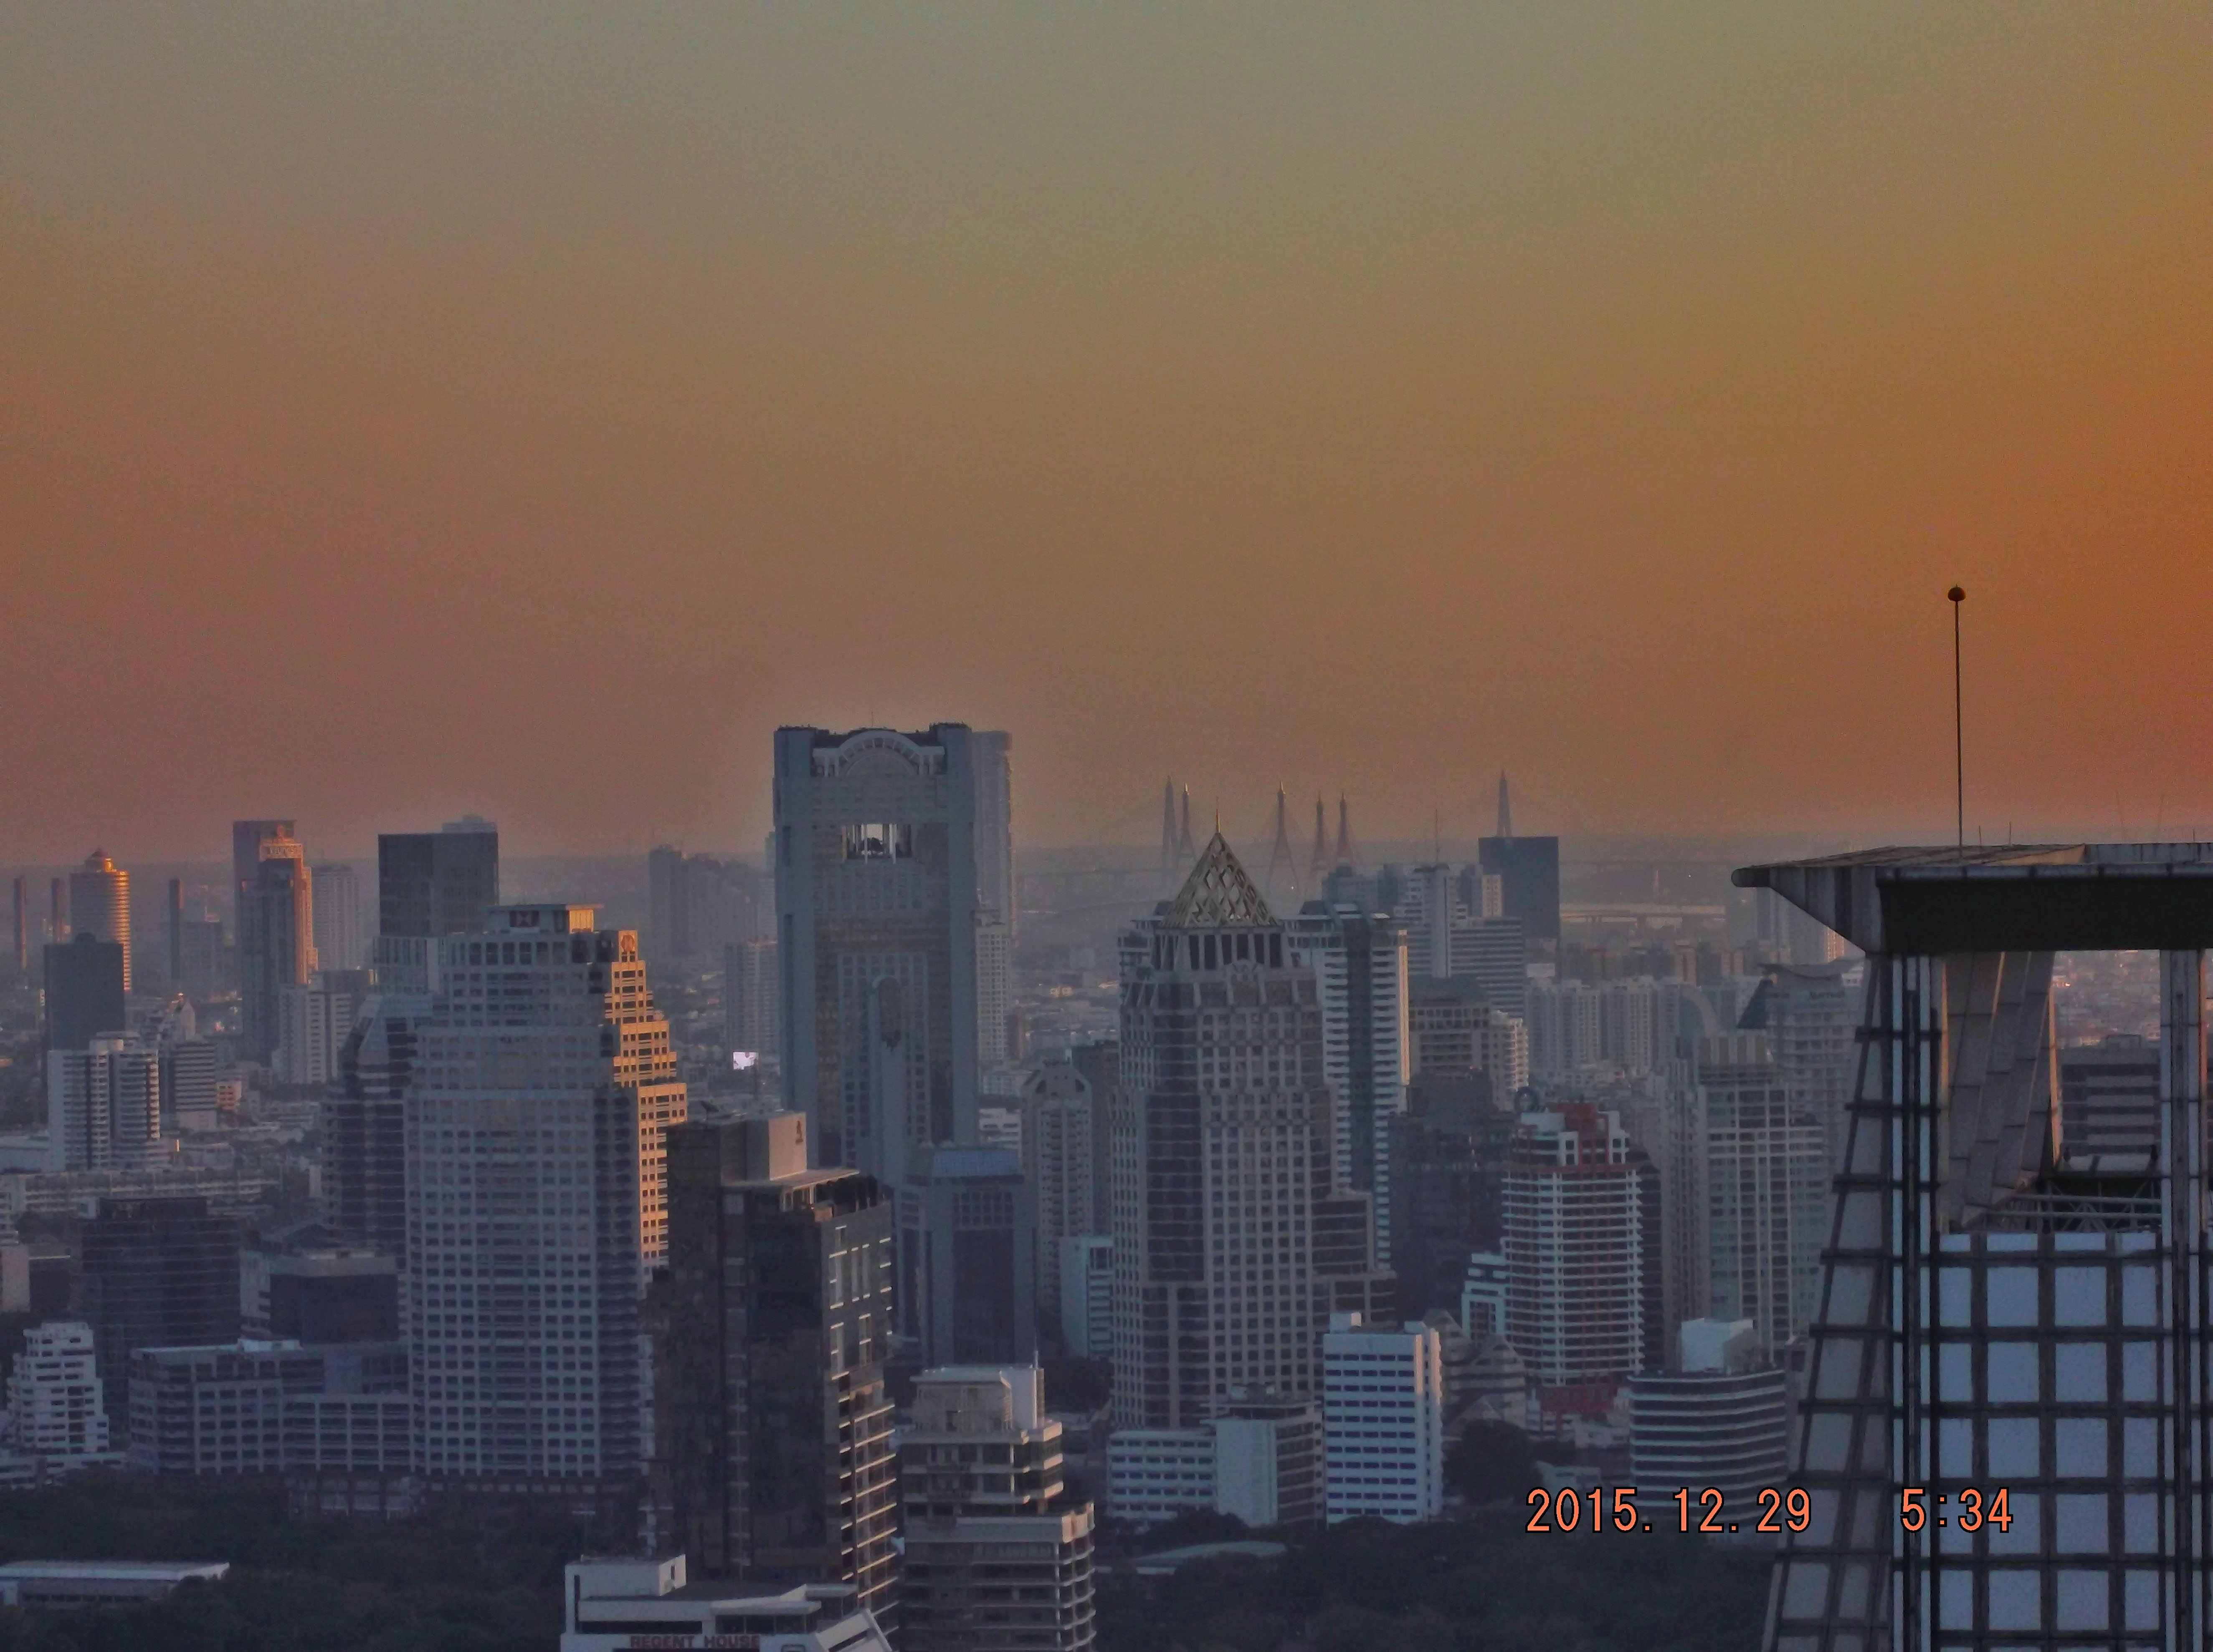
{"x": 697, "y": 905}
{"x": 889, "y": 847}
{"x": 1720, "y": 1420}
{"x": 77, "y": 1585}
{"x": 543, "y": 1086}
{"x": 341, "y": 940}
{"x": 967, "y": 1258}
{"x": 430, "y": 884}
{"x": 1359, "y": 961}
{"x": 84, "y": 992}
{"x": 1483, "y": 1297}
{"x": 103, "y": 1105}
{"x": 155, "y": 1273}
{"x": 1087, "y": 1295}
{"x": 616, "y": 1606}
{"x": 1382, "y": 1421}
{"x": 1457, "y": 1032}
{"x": 995, "y": 1554}
{"x": 271, "y": 1408}
{"x": 187, "y": 1072}
{"x": 1058, "y": 1122}
{"x": 1582, "y": 1244}
{"x": 751, "y": 1019}
{"x": 276, "y": 939}
{"x": 319, "y": 1296}
{"x": 1259, "y": 1460}
{"x": 1811, "y": 1016}
{"x": 2019, "y": 1341}
{"x": 55, "y": 1400}
{"x": 995, "y": 992}
{"x": 2109, "y": 1112}
{"x": 364, "y": 1125}
{"x": 1448, "y": 1155}
{"x": 1528, "y": 871}
{"x": 99, "y": 904}
{"x": 1232, "y": 1240}
{"x": 314, "y": 1019}
{"x": 773, "y": 1447}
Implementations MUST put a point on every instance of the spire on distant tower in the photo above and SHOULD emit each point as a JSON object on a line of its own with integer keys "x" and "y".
{"x": 1344, "y": 831}
{"x": 1281, "y": 854}
{"x": 1167, "y": 828}
{"x": 1505, "y": 808}
{"x": 1318, "y": 868}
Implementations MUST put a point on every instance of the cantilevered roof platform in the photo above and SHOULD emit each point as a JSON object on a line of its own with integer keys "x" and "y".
{"x": 2019, "y": 897}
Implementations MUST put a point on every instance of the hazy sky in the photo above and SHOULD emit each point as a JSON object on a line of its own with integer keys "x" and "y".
{"x": 413, "y": 409}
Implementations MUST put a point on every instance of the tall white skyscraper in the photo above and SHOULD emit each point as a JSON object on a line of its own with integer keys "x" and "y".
{"x": 103, "y": 1104}
{"x": 341, "y": 942}
{"x": 542, "y": 1089}
{"x": 1359, "y": 961}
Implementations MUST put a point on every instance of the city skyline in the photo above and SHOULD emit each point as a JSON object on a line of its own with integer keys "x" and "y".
{"x": 1527, "y": 386}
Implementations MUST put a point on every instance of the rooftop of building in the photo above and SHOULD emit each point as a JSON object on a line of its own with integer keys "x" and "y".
{"x": 1167, "y": 1562}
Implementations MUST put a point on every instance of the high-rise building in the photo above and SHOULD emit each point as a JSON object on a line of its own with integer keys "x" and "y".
{"x": 430, "y": 884}
{"x": 1359, "y": 961}
{"x": 773, "y": 1428}
{"x": 1382, "y": 1420}
{"x": 543, "y": 1086}
{"x": 1582, "y": 1243}
{"x": 20, "y": 911}
{"x": 157, "y": 1273}
{"x": 1453, "y": 1030}
{"x": 1099, "y": 1065}
{"x": 750, "y": 1018}
{"x": 967, "y": 1258}
{"x": 996, "y": 1553}
{"x": 188, "y": 1079}
{"x": 1528, "y": 871}
{"x": 1748, "y": 1178}
{"x": 276, "y": 939}
{"x": 314, "y": 1021}
{"x": 995, "y": 993}
{"x": 1087, "y": 1296}
{"x": 698, "y": 904}
{"x": 174, "y": 914}
{"x": 1233, "y": 1242}
{"x": 54, "y": 1395}
{"x": 84, "y": 992}
{"x": 888, "y": 846}
{"x": 340, "y": 943}
{"x": 1448, "y": 1153}
{"x": 99, "y": 904}
{"x": 103, "y": 1104}
{"x": 364, "y": 1125}
{"x": 1058, "y": 1122}
{"x": 1259, "y": 1458}
{"x": 1811, "y": 1016}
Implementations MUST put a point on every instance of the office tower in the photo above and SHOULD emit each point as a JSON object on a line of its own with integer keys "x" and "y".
{"x": 543, "y": 1085}
{"x": 326, "y": 1296}
{"x": 1448, "y": 1152}
{"x": 1529, "y": 872}
{"x": 2109, "y": 1100}
{"x": 774, "y": 1432}
{"x": 1099, "y": 1065}
{"x": 664, "y": 939}
{"x": 1058, "y": 1122}
{"x": 208, "y": 964}
{"x": 696, "y": 905}
{"x": 84, "y": 992}
{"x": 1087, "y": 1295}
{"x": 156, "y": 1273}
{"x": 54, "y": 1395}
{"x": 364, "y": 1125}
{"x": 1784, "y": 934}
{"x": 99, "y": 904}
{"x": 1232, "y": 1241}
{"x": 887, "y": 847}
{"x": 1811, "y": 1016}
{"x": 1382, "y": 1421}
{"x": 1747, "y": 1172}
{"x": 339, "y": 942}
{"x": 262, "y": 1406}
{"x": 1451, "y": 1029}
{"x": 967, "y": 1258}
{"x": 314, "y": 1021}
{"x": 750, "y": 1019}
{"x": 1259, "y": 1458}
{"x": 276, "y": 940}
{"x": 613, "y": 1603}
{"x": 1483, "y": 1295}
{"x": 246, "y": 837}
{"x": 1359, "y": 962}
{"x": 1566, "y": 1028}
{"x": 103, "y": 1104}
{"x": 430, "y": 884}
{"x": 174, "y": 934}
{"x": 997, "y": 1555}
{"x": 995, "y": 994}
{"x": 1993, "y": 1318}
{"x": 21, "y": 932}
{"x": 1581, "y": 1231}
{"x": 1720, "y": 1420}
{"x": 187, "y": 1078}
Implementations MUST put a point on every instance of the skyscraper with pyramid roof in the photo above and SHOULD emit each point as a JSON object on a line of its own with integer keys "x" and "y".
{"x": 1234, "y": 1240}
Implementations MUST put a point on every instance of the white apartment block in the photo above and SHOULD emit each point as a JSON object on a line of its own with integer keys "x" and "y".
{"x": 536, "y": 1179}
{"x": 312, "y": 1021}
{"x": 54, "y": 1395}
{"x": 103, "y": 1105}
{"x": 1576, "y": 1227}
{"x": 1154, "y": 1474}
{"x": 1382, "y": 1420}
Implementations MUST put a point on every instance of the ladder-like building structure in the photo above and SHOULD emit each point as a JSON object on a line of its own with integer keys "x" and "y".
{"x": 1998, "y": 1315}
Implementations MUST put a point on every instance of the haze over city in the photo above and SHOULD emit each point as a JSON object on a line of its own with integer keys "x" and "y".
{"x": 430, "y": 409}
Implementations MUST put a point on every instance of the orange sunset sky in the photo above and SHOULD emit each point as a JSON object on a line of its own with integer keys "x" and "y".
{"x": 420, "y": 408}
